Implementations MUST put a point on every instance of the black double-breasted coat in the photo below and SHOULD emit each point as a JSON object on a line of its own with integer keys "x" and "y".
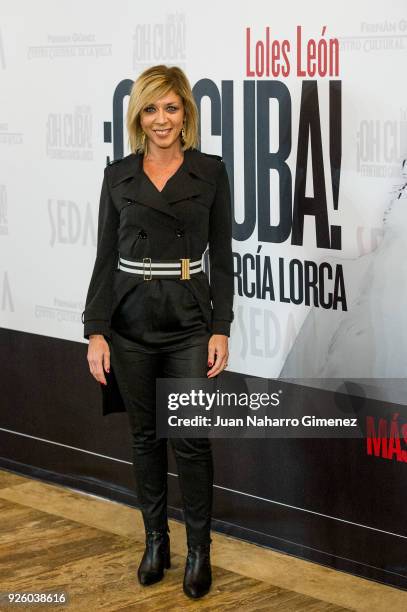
{"x": 135, "y": 220}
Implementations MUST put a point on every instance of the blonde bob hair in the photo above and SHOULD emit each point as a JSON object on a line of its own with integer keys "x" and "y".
{"x": 151, "y": 85}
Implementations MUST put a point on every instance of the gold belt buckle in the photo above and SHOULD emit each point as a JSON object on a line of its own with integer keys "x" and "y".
{"x": 185, "y": 275}
{"x": 144, "y": 270}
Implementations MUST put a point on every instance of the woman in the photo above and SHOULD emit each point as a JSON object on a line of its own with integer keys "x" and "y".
{"x": 148, "y": 314}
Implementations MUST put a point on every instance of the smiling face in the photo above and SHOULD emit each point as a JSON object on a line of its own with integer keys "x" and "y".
{"x": 162, "y": 120}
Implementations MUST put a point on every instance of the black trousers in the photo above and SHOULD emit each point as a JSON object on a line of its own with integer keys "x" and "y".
{"x": 136, "y": 371}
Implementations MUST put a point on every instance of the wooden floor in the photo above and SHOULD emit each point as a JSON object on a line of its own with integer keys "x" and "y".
{"x": 54, "y": 538}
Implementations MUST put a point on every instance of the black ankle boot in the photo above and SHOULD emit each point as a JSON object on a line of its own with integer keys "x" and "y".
{"x": 198, "y": 574}
{"x": 156, "y": 557}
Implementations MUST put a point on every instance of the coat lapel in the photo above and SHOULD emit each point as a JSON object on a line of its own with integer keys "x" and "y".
{"x": 195, "y": 178}
{"x": 190, "y": 180}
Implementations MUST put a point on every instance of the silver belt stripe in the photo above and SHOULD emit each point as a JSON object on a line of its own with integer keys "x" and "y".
{"x": 174, "y": 266}
{"x": 156, "y": 269}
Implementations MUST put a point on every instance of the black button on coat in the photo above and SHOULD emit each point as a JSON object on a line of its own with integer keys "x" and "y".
{"x": 135, "y": 221}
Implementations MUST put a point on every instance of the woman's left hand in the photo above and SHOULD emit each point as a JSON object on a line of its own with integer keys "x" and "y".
{"x": 218, "y": 354}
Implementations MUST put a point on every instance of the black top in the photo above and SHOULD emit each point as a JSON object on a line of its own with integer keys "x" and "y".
{"x": 192, "y": 212}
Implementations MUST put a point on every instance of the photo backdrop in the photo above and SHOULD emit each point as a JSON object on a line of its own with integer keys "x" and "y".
{"x": 306, "y": 104}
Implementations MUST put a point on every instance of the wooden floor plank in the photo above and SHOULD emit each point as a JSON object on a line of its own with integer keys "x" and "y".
{"x": 9, "y": 479}
{"x": 42, "y": 552}
{"x": 53, "y": 538}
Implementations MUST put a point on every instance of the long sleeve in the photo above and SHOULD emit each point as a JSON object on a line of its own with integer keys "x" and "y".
{"x": 221, "y": 256}
{"x": 96, "y": 316}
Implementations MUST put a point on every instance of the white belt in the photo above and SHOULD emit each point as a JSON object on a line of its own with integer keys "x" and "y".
{"x": 161, "y": 268}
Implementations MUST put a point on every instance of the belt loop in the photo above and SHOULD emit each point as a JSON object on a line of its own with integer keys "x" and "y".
{"x": 144, "y": 268}
{"x": 185, "y": 275}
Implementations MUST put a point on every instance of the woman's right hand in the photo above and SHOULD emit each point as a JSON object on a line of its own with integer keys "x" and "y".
{"x": 98, "y": 357}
